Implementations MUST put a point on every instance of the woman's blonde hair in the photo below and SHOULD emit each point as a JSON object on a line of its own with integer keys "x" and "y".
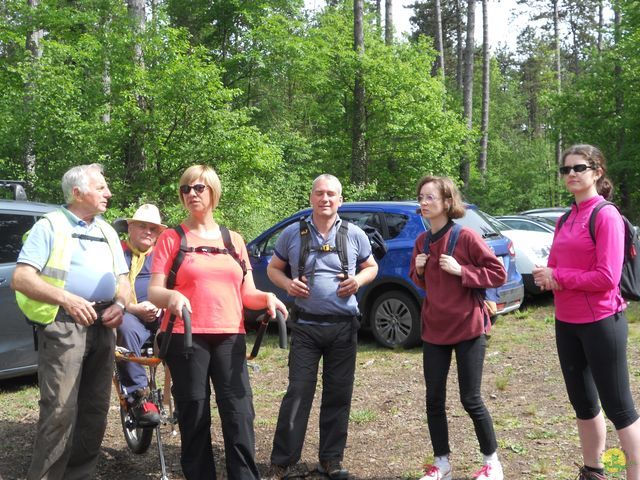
{"x": 209, "y": 178}
{"x": 448, "y": 191}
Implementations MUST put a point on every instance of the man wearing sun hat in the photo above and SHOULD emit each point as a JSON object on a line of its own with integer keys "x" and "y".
{"x": 141, "y": 316}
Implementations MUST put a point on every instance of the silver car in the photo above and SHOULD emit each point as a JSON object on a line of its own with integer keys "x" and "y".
{"x": 17, "y": 353}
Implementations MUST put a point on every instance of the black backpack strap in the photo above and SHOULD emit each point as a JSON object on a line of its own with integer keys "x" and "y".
{"x": 427, "y": 243}
{"x": 231, "y": 250}
{"x": 305, "y": 246}
{"x": 342, "y": 243}
{"x": 563, "y": 219}
{"x": 453, "y": 239}
{"x": 177, "y": 261}
{"x": 592, "y": 218}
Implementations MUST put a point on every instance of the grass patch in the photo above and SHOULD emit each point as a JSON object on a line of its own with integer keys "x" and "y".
{"x": 362, "y": 416}
{"x": 502, "y": 381}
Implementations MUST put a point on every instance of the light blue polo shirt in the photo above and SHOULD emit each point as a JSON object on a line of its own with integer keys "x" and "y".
{"x": 322, "y": 268}
{"x": 91, "y": 274}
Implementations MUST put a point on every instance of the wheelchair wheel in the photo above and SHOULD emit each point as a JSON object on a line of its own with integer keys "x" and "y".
{"x": 138, "y": 439}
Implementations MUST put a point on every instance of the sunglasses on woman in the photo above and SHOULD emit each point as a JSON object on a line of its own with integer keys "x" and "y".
{"x": 581, "y": 167}
{"x": 198, "y": 187}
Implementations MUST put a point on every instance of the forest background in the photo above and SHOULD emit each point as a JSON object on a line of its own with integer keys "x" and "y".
{"x": 271, "y": 94}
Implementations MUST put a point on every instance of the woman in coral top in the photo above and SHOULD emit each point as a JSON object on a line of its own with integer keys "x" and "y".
{"x": 591, "y": 328}
{"x": 213, "y": 287}
{"x": 454, "y": 319}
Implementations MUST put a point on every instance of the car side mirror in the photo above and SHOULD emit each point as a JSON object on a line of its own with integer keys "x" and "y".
{"x": 254, "y": 251}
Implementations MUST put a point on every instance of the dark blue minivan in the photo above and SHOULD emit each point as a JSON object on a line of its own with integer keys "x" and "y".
{"x": 390, "y": 305}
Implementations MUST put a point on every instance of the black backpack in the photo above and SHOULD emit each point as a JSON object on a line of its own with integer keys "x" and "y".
{"x": 165, "y": 337}
{"x": 378, "y": 246}
{"x": 228, "y": 249}
{"x": 630, "y": 276}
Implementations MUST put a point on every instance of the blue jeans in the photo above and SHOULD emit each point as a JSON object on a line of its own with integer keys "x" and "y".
{"x": 132, "y": 334}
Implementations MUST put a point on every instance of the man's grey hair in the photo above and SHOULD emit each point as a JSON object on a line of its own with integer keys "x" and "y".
{"x": 327, "y": 176}
{"x": 77, "y": 177}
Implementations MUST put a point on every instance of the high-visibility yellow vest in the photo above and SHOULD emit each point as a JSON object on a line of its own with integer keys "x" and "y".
{"x": 57, "y": 267}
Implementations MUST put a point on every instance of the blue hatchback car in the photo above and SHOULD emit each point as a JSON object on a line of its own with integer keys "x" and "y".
{"x": 390, "y": 305}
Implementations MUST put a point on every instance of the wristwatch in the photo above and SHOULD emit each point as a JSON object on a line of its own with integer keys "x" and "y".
{"x": 120, "y": 304}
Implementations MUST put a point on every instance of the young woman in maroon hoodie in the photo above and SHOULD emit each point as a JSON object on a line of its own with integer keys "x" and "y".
{"x": 454, "y": 318}
{"x": 591, "y": 329}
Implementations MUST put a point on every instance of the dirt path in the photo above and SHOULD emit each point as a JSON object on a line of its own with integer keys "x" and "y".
{"x": 388, "y": 436}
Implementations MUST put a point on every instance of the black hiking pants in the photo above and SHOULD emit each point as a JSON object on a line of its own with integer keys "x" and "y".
{"x": 337, "y": 346}
{"x": 220, "y": 358}
{"x": 593, "y": 358}
{"x": 470, "y": 360}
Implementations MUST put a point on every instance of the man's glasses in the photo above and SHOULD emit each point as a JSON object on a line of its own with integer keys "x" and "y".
{"x": 581, "y": 167}
{"x": 198, "y": 187}
{"x": 427, "y": 198}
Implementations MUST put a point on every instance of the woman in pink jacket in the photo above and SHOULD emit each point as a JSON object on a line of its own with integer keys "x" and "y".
{"x": 591, "y": 329}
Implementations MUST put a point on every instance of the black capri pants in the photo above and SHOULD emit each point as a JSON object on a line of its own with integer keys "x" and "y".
{"x": 593, "y": 359}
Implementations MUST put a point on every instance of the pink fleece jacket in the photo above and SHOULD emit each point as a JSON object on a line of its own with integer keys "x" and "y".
{"x": 588, "y": 273}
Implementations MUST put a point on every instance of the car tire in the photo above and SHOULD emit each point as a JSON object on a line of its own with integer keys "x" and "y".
{"x": 138, "y": 438}
{"x": 395, "y": 320}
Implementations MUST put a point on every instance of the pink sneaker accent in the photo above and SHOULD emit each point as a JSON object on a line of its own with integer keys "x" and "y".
{"x": 434, "y": 473}
{"x": 490, "y": 472}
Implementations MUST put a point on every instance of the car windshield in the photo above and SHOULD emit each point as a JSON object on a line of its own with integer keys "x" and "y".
{"x": 478, "y": 221}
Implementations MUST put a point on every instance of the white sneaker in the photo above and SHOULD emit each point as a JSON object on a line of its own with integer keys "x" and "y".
{"x": 433, "y": 472}
{"x": 490, "y": 471}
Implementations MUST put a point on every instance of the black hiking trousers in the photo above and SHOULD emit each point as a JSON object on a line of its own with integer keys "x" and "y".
{"x": 337, "y": 345}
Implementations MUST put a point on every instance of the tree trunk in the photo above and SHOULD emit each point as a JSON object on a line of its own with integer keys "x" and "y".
{"x": 623, "y": 186}
{"x": 379, "y": 14}
{"x": 33, "y": 46}
{"x": 439, "y": 42}
{"x": 135, "y": 154}
{"x": 600, "y": 24}
{"x": 467, "y": 91}
{"x": 106, "y": 91}
{"x": 358, "y": 146}
{"x": 388, "y": 22}
{"x": 482, "y": 161}
{"x": 556, "y": 36}
{"x": 459, "y": 48}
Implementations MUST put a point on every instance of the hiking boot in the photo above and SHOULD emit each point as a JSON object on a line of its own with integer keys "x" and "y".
{"x": 437, "y": 472}
{"x": 490, "y": 471}
{"x": 145, "y": 413}
{"x": 332, "y": 468}
{"x": 278, "y": 472}
{"x": 585, "y": 474}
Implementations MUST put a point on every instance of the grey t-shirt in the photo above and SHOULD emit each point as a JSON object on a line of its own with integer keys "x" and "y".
{"x": 322, "y": 268}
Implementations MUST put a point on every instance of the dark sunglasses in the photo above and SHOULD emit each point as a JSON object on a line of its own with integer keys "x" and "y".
{"x": 581, "y": 167}
{"x": 198, "y": 187}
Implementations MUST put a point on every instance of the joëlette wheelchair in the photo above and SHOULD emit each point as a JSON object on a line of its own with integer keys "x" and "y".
{"x": 137, "y": 437}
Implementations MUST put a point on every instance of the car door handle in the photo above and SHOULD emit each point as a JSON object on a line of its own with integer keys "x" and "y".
{"x": 3, "y": 280}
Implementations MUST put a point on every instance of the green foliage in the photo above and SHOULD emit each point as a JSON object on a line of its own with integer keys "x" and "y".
{"x": 263, "y": 92}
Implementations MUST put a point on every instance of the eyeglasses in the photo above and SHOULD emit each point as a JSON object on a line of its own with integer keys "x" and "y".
{"x": 427, "y": 198}
{"x": 198, "y": 187}
{"x": 581, "y": 167}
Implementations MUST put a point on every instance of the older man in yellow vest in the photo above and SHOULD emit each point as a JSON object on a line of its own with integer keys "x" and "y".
{"x": 73, "y": 259}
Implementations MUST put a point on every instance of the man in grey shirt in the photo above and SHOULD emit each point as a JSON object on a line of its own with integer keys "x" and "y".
{"x": 326, "y": 326}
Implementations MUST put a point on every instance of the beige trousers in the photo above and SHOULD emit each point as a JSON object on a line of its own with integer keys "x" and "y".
{"x": 75, "y": 365}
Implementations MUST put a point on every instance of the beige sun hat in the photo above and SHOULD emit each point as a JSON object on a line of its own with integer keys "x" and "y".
{"x": 147, "y": 213}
